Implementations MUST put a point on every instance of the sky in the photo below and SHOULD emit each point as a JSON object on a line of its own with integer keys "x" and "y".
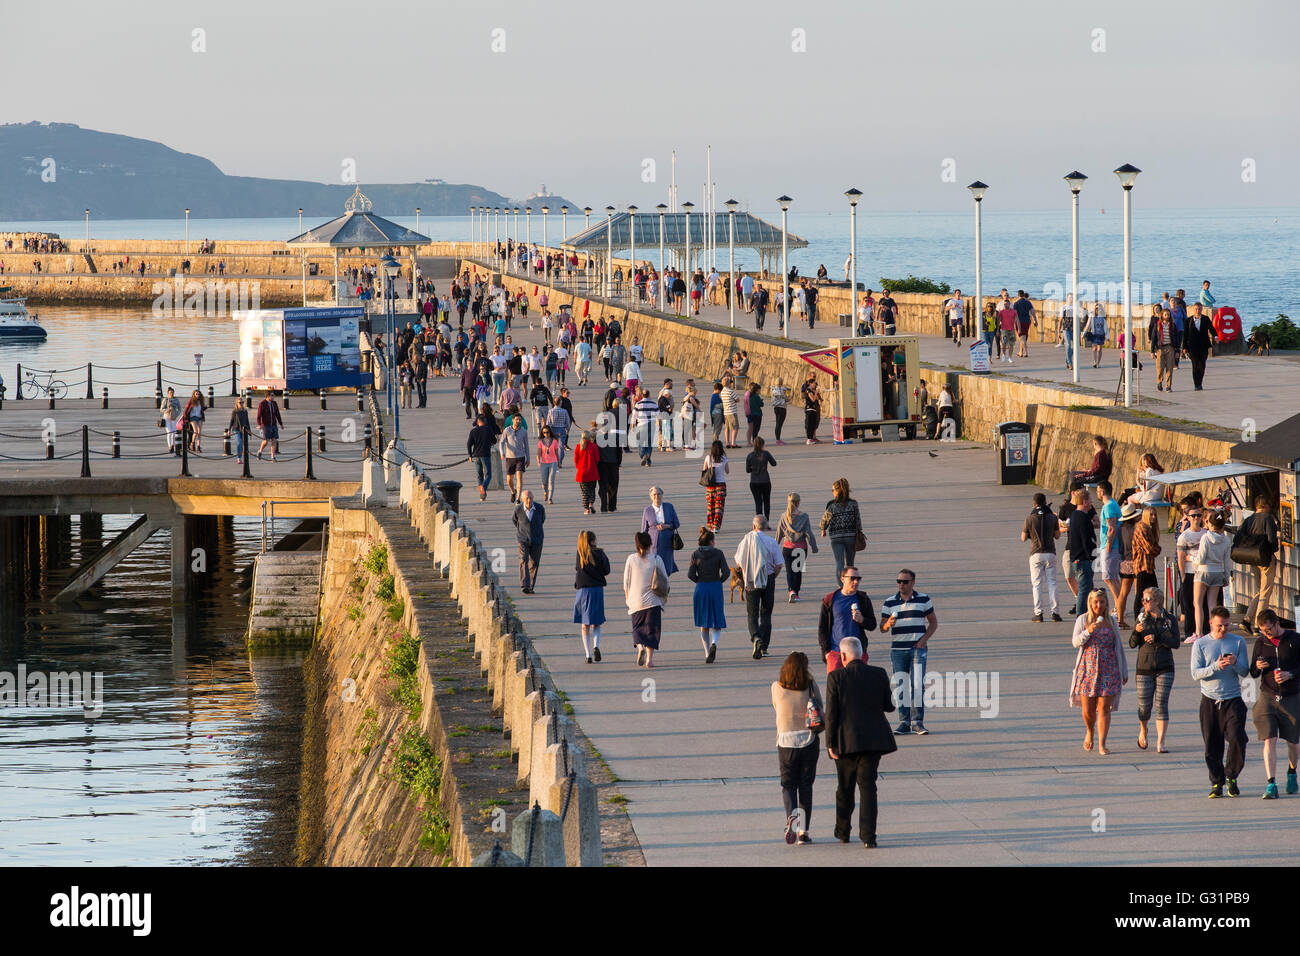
{"x": 907, "y": 101}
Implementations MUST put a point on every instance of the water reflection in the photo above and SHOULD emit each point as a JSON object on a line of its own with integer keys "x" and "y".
{"x": 195, "y": 757}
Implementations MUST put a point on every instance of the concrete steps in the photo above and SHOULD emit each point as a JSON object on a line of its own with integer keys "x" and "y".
{"x": 284, "y": 605}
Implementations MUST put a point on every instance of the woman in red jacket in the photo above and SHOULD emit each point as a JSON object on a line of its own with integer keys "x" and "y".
{"x": 585, "y": 457}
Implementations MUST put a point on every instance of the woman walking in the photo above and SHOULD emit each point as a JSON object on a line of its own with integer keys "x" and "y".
{"x": 757, "y": 462}
{"x": 690, "y": 416}
{"x": 1191, "y": 530}
{"x": 780, "y": 405}
{"x": 193, "y": 414}
{"x": 1100, "y": 668}
{"x": 708, "y": 569}
{"x": 1097, "y": 332}
{"x": 659, "y": 520}
{"x": 714, "y": 479}
{"x": 842, "y": 521}
{"x": 797, "y": 747}
{"x": 586, "y": 466}
{"x": 1156, "y": 638}
{"x": 548, "y": 457}
{"x": 239, "y": 428}
{"x": 812, "y": 410}
{"x": 1212, "y": 557}
{"x": 645, "y": 589}
{"x": 796, "y": 537}
{"x": 592, "y": 570}
{"x": 753, "y": 413}
{"x": 1146, "y": 548}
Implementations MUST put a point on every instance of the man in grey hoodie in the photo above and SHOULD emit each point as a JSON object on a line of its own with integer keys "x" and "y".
{"x": 1219, "y": 662}
{"x": 514, "y": 453}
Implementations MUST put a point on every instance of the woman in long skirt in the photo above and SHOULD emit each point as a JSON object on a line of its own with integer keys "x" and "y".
{"x": 643, "y": 605}
{"x": 660, "y": 521}
{"x": 592, "y": 568}
{"x": 708, "y": 569}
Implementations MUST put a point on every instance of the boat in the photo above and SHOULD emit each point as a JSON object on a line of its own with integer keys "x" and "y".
{"x": 15, "y": 321}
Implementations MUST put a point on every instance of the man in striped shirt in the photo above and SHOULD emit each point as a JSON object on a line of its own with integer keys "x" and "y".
{"x": 908, "y": 618}
{"x": 647, "y": 410}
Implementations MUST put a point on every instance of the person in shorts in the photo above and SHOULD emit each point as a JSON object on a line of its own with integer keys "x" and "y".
{"x": 1276, "y": 659}
{"x": 1112, "y": 547}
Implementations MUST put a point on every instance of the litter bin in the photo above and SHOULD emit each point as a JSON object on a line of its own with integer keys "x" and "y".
{"x": 1015, "y": 465}
{"x": 450, "y": 491}
{"x": 846, "y": 319}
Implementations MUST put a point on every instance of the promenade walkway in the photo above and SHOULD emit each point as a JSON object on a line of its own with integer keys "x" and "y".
{"x": 694, "y": 749}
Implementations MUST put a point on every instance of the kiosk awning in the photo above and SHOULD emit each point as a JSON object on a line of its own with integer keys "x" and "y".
{"x": 1231, "y": 469}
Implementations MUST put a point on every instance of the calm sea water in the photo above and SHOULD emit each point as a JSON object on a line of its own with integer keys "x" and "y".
{"x": 1249, "y": 255}
{"x": 195, "y": 756}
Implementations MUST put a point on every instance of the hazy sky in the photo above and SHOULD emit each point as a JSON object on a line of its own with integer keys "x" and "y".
{"x": 1014, "y": 93}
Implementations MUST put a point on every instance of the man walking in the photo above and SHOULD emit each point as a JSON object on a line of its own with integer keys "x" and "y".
{"x": 515, "y": 455}
{"x": 1112, "y": 549}
{"x": 846, "y": 612}
{"x": 759, "y": 556}
{"x": 956, "y": 310}
{"x": 1161, "y": 336}
{"x": 528, "y": 519}
{"x": 269, "y": 421}
{"x": 1219, "y": 662}
{"x": 1262, "y": 527}
{"x": 479, "y": 448}
{"x": 1276, "y": 658}
{"x": 857, "y": 736}
{"x": 1041, "y": 531}
{"x": 1082, "y": 542}
{"x": 1198, "y": 336}
{"x": 909, "y": 618}
{"x": 1025, "y": 318}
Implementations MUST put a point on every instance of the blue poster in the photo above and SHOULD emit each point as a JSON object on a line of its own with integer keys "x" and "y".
{"x": 322, "y": 348}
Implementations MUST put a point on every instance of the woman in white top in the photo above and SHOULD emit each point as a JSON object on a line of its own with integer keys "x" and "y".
{"x": 1213, "y": 562}
{"x": 643, "y": 604}
{"x": 690, "y": 416}
{"x": 780, "y": 403}
{"x": 715, "y": 492}
{"x": 1148, "y": 491}
{"x": 1189, "y": 542}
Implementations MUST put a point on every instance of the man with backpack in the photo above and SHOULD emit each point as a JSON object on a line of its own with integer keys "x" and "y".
{"x": 1041, "y": 531}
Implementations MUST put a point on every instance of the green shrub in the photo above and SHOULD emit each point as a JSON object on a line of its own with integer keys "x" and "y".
{"x": 387, "y": 588}
{"x": 915, "y": 284}
{"x": 1282, "y": 332}
{"x": 376, "y": 560}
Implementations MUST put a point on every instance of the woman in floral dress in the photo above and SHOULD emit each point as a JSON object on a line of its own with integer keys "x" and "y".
{"x": 1100, "y": 668}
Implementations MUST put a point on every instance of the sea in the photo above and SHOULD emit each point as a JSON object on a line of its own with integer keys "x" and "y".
{"x": 1249, "y": 255}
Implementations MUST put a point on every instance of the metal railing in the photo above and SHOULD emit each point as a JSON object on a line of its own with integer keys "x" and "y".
{"x": 268, "y": 517}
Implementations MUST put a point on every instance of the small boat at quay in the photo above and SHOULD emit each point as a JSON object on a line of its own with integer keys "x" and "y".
{"x": 15, "y": 321}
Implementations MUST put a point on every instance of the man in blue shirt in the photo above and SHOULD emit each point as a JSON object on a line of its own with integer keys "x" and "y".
{"x": 1207, "y": 299}
{"x": 846, "y": 612}
{"x": 909, "y": 618}
{"x": 1219, "y": 662}
{"x": 1111, "y": 547}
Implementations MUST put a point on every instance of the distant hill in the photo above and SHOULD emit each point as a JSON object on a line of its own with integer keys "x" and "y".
{"x": 121, "y": 177}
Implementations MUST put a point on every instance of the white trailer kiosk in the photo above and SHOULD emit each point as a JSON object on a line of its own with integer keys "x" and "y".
{"x": 876, "y": 384}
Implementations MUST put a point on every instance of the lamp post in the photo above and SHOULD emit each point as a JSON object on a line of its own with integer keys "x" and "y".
{"x": 87, "y": 228}
{"x": 662, "y": 209}
{"x": 977, "y": 189}
{"x": 1075, "y": 181}
{"x": 514, "y": 260}
{"x": 564, "y": 222}
{"x": 473, "y": 215}
{"x": 853, "y": 195}
{"x": 187, "y": 229}
{"x": 299, "y": 219}
{"x": 1128, "y": 174}
{"x": 388, "y": 268}
{"x": 609, "y": 250}
{"x": 688, "y": 206}
{"x": 784, "y": 203}
{"x": 528, "y": 226}
{"x": 586, "y": 265}
{"x": 631, "y": 226}
{"x": 731, "y": 205}
{"x": 417, "y": 218}
{"x": 546, "y": 252}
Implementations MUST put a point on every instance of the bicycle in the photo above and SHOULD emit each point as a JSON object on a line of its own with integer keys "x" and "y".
{"x": 52, "y": 387}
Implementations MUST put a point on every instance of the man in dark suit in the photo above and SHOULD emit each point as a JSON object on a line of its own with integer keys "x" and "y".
{"x": 529, "y": 518}
{"x": 1198, "y": 335}
{"x": 857, "y": 735}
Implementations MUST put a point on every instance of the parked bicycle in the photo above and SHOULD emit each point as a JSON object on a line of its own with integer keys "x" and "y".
{"x": 50, "y": 386}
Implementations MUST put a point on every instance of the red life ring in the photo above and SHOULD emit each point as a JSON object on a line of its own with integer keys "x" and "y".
{"x": 1227, "y": 324}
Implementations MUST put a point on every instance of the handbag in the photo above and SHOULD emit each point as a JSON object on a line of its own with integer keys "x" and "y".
{"x": 677, "y": 542}
{"x": 707, "y": 476}
{"x": 1126, "y": 568}
{"x": 815, "y": 721}
{"x": 659, "y": 583}
{"x": 860, "y": 542}
{"x": 1253, "y": 551}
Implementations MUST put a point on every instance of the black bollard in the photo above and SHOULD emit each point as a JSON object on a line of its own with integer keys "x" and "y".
{"x": 320, "y": 437}
{"x": 225, "y": 444}
{"x": 309, "y": 476}
{"x": 90, "y": 380}
{"x": 360, "y": 401}
{"x": 285, "y": 393}
{"x": 18, "y": 389}
{"x": 234, "y": 379}
{"x": 49, "y": 446}
{"x": 322, "y": 399}
{"x": 104, "y": 404}
{"x": 185, "y": 449}
{"x": 157, "y": 399}
{"x": 212, "y": 400}
{"x": 85, "y": 451}
{"x": 370, "y": 438}
{"x": 117, "y": 444}
{"x": 248, "y": 453}
{"x": 158, "y": 381}
{"x": 51, "y": 394}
